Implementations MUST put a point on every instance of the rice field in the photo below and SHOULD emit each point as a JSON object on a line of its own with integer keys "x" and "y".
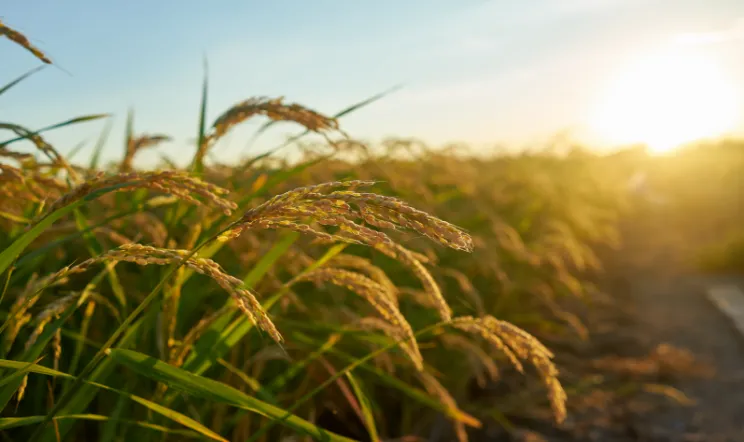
{"x": 357, "y": 292}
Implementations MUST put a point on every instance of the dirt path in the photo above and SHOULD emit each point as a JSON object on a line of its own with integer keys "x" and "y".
{"x": 669, "y": 305}
{"x": 672, "y": 308}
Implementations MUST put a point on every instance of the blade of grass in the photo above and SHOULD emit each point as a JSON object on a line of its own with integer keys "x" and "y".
{"x": 75, "y": 150}
{"x": 108, "y": 432}
{"x": 13, "y": 422}
{"x": 252, "y": 383}
{"x": 212, "y": 390}
{"x": 171, "y": 414}
{"x": 13, "y": 83}
{"x": 18, "y": 374}
{"x": 198, "y": 161}
{"x": 98, "y": 148}
{"x": 366, "y": 406}
{"x": 70, "y": 122}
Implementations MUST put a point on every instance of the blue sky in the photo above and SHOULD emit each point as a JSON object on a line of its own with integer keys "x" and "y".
{"x": 480, "y": 71}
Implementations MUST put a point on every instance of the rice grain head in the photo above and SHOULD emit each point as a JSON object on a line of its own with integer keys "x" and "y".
{"x": 22, "y": 40}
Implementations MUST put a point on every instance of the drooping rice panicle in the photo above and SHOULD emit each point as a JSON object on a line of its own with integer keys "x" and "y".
{"x": 517, "y": 345}
{"x": 18, "y": 315}
{"x": 50, "y": 312}
{"x": 431, "y": 288}
{"x": 375, "y": 295}
{"x": 22, "y": 40}
{"x": 148, "y": 255}
{"x": 274, "y": 109}
{"x": 377, "y": 274}
{"x": 176, "y": 183}
{"x": 135, "y": 144}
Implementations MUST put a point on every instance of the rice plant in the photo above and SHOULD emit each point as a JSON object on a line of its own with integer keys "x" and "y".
{"x": 332, "y": 298}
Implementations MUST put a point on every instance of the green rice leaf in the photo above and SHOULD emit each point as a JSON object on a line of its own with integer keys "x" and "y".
{"x": 216, "y": 391}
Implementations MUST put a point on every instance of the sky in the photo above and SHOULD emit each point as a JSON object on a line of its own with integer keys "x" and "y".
{"x": 483, "y": 72}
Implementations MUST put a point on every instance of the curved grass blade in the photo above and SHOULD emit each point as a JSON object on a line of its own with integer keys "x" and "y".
{"x": 13, "y": 422}
{"x": 19, "y": 373}
{"x": 13, "y": 83}
{"x": 366, "y": 406}
{"x": 198, "y": 162}
{"x": 212, "y": 390}
{"x": 75, "y": 150}
{"x": 98, "y": 148}
{"x": 170, "y": 414}
{"x": 70, "y": 122}
{"x": 252, "y": 383}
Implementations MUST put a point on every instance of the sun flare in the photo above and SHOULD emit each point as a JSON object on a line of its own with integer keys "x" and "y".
{"x": 667, "y": 100}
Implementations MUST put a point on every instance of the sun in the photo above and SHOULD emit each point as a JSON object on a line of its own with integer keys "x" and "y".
{"x": 665, "y": 100}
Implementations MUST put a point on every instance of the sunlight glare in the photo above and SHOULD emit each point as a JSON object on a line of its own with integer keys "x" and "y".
{"x": 667, "y": 100}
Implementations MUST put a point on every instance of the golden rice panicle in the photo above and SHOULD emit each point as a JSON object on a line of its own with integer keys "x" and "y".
{"x": 57, "y": 348}
{"x": 22, "y": 389}
{"x": 335, "y": 209}
{"x": 274, "y": 109}
{"x": 476, "y": 327}
{"x": 375, "y": 295}
{"x": 46, "y": 148}
{"x": 51, "y": 311}
{"x": 22, "y": 40}
{"x": 372, "y": 323}
{"x": 524, "y": 346}
{"x": 135, "y": 144}
{"x": 176, "y": 183}
{"x": 288, "y": 208}
{"x": 19, "y": 315}
{"x": 147, "y": 255}
{"x": 395, "y": 211}
{"x": 431, "y": 288}
{"x": 364, "y": 265}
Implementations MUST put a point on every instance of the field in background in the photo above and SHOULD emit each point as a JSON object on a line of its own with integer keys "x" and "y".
{"x": 418, "y": 291}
